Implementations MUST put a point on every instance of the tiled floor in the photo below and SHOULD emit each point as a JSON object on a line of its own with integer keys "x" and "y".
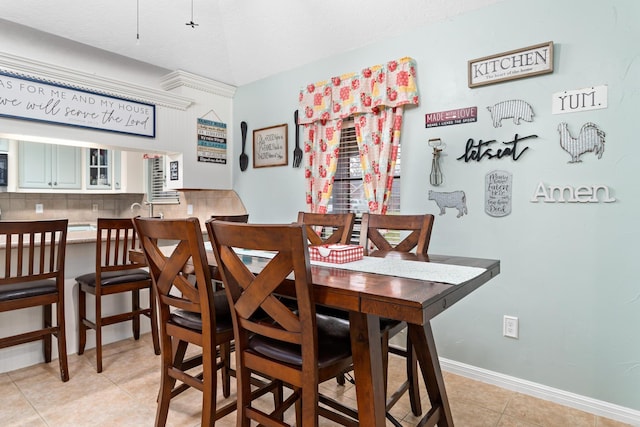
{"x": 124, "y": 394}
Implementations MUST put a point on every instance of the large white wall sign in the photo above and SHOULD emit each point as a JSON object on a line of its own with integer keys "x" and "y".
{"x": 570, "y": 194}
{"x": 29, "y": 99}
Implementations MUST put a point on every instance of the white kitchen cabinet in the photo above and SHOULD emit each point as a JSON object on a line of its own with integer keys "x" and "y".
{"x": 49, "y": 166}
{"x": 103, "y": 169}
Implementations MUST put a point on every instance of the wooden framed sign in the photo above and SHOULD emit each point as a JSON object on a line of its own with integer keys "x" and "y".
{"x": 515, "y": 64}
{"x": 270, "y": 146}
{"x": 30, "y": 99}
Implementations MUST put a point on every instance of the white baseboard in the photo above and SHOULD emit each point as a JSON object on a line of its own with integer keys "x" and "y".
{"x": 572, "y": 400}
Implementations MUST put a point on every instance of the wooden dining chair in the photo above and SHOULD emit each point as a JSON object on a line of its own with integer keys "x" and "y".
{"x": 325, "y": 229}
{"x": 191, "y": 312}
{"x": 115, "y": 273}
{"x": 33, "y": 276}
{"x": 374, "y": 233}
{"x": 295, "y": 345}
{"x": 375, "y": 229}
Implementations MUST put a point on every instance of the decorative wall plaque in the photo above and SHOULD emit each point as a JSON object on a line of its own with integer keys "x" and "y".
{"x": 515, "y": 109}
{"x": 497, "y": 193}
{"x": 570, "y": 194}
{"x": 452, "y": 199}
{"x": 515, "y": 64}
{"x": 590, "y": 139}
{"x": 589, "y": 98}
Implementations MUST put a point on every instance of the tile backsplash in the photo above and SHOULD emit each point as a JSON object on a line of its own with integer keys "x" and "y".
{"x": 79, "y": 207}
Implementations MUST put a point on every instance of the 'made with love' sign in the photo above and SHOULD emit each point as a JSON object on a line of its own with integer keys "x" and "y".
{"x": 35, "y": 100}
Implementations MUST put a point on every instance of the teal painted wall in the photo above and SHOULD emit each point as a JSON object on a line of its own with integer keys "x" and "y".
{"x": 567, "y": 269}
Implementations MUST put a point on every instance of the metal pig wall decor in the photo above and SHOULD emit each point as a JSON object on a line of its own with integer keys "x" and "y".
{"x": 452, "y": 199}
{"x": 515, "y": 109}
{"x": 590, "y": 139}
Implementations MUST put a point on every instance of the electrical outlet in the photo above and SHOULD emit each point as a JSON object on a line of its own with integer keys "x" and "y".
{"x": 94, "y": 207}
{"x": 510, "y": 326}
{"x": 39, "y": 208}
{"x": 189, "y": 209}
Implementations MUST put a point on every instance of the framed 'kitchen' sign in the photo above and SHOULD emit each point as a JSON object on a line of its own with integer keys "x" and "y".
{"x": 514, "y": 64}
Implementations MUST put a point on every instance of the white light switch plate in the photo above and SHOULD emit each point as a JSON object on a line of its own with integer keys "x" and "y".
{"x": 39, "y": 208}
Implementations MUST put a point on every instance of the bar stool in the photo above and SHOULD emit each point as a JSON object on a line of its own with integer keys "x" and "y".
{"x": 323, "y": 229}
{"x": 114, "y": 274}
{"x": 191, "y": 313}
{"x": 291, "y": 344}
{"x": 374, "y": 231}
{"x": 33, "y": 276}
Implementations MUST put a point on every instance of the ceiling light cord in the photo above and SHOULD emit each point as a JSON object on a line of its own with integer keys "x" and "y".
{"x": 137, "y": 21}
{"x": 192, "y": 24}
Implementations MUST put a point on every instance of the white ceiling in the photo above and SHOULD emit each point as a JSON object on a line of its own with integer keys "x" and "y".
{"x": 237, "y": 41}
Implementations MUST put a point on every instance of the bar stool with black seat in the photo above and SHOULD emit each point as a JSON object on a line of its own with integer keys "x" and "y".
{"x": 297, "y": 346}
{"x": 324, "y": 229}
{"x": 191, "y": 312}
{"x": 412, "y": 232}
{"x": 33, "y": 276}
{"x": 114, "y": 274}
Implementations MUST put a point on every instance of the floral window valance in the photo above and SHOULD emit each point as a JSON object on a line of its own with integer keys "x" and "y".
{"x": 392, "y": 84}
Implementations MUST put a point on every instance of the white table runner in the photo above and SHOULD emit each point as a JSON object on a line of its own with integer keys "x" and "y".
{"x": 420, "y": 270}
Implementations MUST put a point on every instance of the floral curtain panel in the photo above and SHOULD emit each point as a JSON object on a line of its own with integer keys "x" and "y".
{"x": 378, "y": 95}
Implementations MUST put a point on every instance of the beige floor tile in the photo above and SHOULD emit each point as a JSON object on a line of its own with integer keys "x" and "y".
{"x": 509, "y": 421}
{"x": 16, "y": 409}
{"x": 128, "y": 387}
{"x": 604, "y": 422}
{"x": 481, "y": 394}
{"x": 546, "y": 413}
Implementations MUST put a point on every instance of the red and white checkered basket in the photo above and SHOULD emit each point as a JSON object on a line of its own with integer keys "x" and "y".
{"x": 336, "y": 254}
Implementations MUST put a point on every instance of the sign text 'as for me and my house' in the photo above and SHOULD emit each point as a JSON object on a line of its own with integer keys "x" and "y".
{"x": 30, "y": 99}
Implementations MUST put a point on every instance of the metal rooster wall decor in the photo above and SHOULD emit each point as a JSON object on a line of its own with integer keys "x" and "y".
{"x": 590, "y": 139}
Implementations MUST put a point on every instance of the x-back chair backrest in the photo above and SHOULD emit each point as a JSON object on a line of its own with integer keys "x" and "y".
{"x": 171, "y": 269}
{"x": 317, "y": 224}
{"x": 248, "y": 292}
{"x": 419, "y": 228}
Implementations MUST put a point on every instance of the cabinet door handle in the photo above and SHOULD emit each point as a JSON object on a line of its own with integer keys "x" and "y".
{"x": 49, "y": 183}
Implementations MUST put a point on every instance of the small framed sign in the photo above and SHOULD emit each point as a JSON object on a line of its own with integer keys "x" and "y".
{"x": 515, "y": 64}
{"x": 173, "y": 171}
{"x": 3, "y": 170}
{"x": 270, "y": 146}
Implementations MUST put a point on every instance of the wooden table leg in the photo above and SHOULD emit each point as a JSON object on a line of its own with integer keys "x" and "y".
{"x": 367, "y": 364}
{"x": 425, "y": 347}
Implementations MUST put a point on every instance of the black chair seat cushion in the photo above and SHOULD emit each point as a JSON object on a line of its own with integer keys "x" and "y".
{"x": 334, "y": 343}
{"x": 114, "y": 277}
{"x": 191, "y": 320}
{"x": 385, "y": 323}
{"x": 27, "y": 289}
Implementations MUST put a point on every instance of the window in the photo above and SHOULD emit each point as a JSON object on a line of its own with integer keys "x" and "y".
{"x": 348, "y": 191}
{"x": 156, "y": 179}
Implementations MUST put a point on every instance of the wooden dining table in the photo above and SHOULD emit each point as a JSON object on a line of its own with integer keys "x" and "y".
{"x": 370, "y": 296}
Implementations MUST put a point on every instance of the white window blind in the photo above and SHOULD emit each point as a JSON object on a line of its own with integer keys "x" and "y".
{"x": 348, "y": 191}
{"x": 156, "y": 180}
